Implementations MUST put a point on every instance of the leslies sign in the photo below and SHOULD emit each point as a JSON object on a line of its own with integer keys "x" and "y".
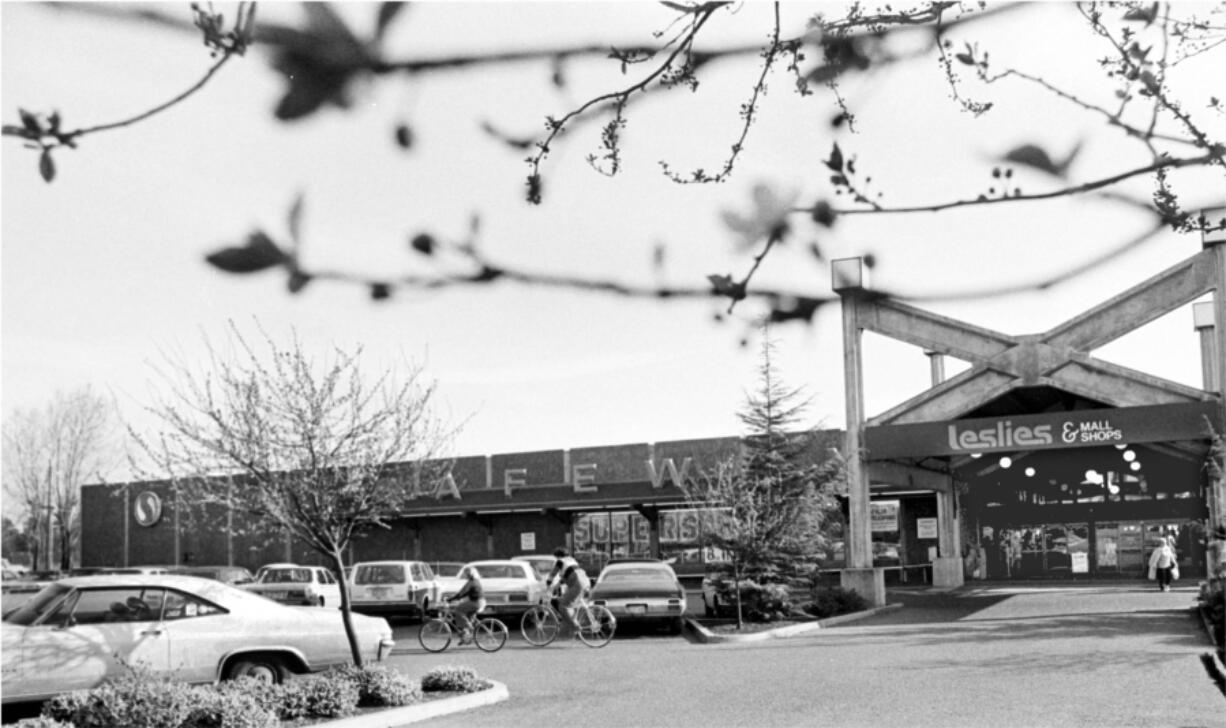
{"x": 1080, "y": 428}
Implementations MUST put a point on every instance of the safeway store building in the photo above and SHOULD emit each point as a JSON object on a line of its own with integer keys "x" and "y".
{"x": 1039, "y": 461}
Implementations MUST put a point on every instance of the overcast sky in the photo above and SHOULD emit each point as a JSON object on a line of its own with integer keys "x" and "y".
{"x": 103, "y": 269}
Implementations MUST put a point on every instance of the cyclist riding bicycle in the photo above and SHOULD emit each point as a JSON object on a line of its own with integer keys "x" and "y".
{"x": 471, "y": 598}
{"x": 574, "y": 578}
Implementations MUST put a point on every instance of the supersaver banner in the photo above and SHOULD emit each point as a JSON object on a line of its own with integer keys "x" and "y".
{"x": 1080, "y": 428}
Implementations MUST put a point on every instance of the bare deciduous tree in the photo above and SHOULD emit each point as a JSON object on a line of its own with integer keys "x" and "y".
{"x": 48, "y": 455}
{"x": 297, "y": 445}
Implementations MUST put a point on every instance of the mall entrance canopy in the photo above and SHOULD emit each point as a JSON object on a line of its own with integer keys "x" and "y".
{"x": 1021, "y": 393}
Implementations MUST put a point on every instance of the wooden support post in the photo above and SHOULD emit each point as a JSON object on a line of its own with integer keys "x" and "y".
{"x": 860, "y": 575}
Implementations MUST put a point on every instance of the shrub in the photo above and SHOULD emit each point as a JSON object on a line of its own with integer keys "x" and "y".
{"x": 136, "y": 698}
{"x": 231, "y": 706}
{"x": 381, "y": 686}
{"x": 453, "y": 678}
{"x": 759, "y": 602}
{"x": 318, "y": 696}
{"x": 834, "y": 600}
{"x": 267, "y": 696}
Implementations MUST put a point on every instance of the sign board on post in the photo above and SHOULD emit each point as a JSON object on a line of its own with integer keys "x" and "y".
{"x": 926, "y": 528}
{"x": 1081, "y": 562}
{"x": 527, "y": 541}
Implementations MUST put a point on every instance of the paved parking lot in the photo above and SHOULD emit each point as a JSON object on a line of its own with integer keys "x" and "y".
{"x": 1104, "y": 655}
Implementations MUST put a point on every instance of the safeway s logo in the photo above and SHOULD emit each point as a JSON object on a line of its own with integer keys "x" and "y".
{"x": 148, "y": 508}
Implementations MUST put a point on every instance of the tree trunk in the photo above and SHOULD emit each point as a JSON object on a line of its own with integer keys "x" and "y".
{"x": 338, "y": 563}
{"x": 736, "y": 587}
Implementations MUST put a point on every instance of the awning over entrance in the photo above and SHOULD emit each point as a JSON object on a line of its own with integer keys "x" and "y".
{"x": 1072, "y": 429}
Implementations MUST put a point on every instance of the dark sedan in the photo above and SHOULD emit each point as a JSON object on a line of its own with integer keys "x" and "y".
{"x": 645, "y": 591}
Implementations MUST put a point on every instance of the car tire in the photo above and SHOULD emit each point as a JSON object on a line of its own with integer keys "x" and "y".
{"x": 321, "y": 601}
{"x": 268, "y": 669}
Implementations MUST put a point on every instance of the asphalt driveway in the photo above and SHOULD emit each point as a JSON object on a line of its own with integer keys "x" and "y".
{"x": 1100, "y": 655}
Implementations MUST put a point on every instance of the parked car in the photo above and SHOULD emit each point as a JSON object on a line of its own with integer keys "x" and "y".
{"x": 275, "y": 565}
{"x": 447, "y": 573}
{"x": 406, "y": 588}
{"x": 511, "y": 587}
{"x": 312, "y": 586}
{"x": 77, "y": 632}
{"x": 233, "y": 575}
{"x": 542, "y": 564}
{"x": 130, "y": 570}
{"x": 645, "y": 590}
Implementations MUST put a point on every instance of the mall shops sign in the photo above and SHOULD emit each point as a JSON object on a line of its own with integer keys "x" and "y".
{"x": 1079, "y": 428}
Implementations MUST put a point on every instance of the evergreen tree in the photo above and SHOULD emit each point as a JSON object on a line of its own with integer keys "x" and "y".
{"x": 772, "y": 497}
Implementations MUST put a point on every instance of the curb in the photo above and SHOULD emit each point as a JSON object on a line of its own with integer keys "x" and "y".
{"x": 706, "y": 636}
{"x": 395, "y": 717}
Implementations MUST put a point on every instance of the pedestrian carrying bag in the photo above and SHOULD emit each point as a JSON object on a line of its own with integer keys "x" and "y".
{"x": 1174, "y": 572}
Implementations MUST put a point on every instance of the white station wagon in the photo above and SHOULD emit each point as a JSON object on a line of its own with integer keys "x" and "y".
{"x": 312, "y": 586}
{"x": 79, "y": 631}
{"x": 406, "y": 588}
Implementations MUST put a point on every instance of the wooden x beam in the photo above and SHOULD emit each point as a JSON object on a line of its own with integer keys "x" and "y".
{"x": 1058, "y": 358}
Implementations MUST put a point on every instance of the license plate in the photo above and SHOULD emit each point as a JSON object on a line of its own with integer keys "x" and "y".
{"x": 636, "y": 608}
{"x": 276, "y": 595}
{"x": 379, "y": 592}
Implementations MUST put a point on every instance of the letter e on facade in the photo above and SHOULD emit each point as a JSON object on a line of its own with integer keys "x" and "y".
{"x": 584, "y": 477}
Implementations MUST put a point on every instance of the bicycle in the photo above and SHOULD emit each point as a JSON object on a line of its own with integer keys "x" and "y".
{"x": 488, "y": 633}
{"x": 540, "y": 624}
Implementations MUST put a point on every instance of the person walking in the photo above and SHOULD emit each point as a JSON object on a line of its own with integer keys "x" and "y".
{"x": 1161, "y": 562}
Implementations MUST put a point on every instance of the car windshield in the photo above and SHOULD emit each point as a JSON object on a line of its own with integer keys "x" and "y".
{"x": 286, "y": 576}
{"x": 635, "y": 573}
{"x": 41, "y": 603}
{"x": 448, "y": 569}
{"x": 379, "y": 574}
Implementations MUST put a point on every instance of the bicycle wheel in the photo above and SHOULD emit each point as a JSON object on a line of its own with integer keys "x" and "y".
{"x": 596, "y": 625}
{"x": 435, "y": 635}
{"x": 539, "y": 625}
{"x": 490, "y": 635}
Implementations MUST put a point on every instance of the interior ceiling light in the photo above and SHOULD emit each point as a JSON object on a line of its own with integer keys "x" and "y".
{"x": 1093, "y": 476}
{"x": 1129, "y": 455}
{"x": 1136, "y": 465}
{"x": 1029, "y": 472}
{"x": 976, "y": 455}
{"x": 1006, "y": 462}
{"x": 1120, "y": 446}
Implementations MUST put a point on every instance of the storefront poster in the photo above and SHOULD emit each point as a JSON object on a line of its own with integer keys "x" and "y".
{"x": 884, "y": 515}
{"x": 926, "y": 528}
{"x": 527, "y": 541}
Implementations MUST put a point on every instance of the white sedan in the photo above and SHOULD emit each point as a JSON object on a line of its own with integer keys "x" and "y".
{"x": 511, "y": 587}
{"x": 311, "y": 586}
{"x": 79, "y": 631}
